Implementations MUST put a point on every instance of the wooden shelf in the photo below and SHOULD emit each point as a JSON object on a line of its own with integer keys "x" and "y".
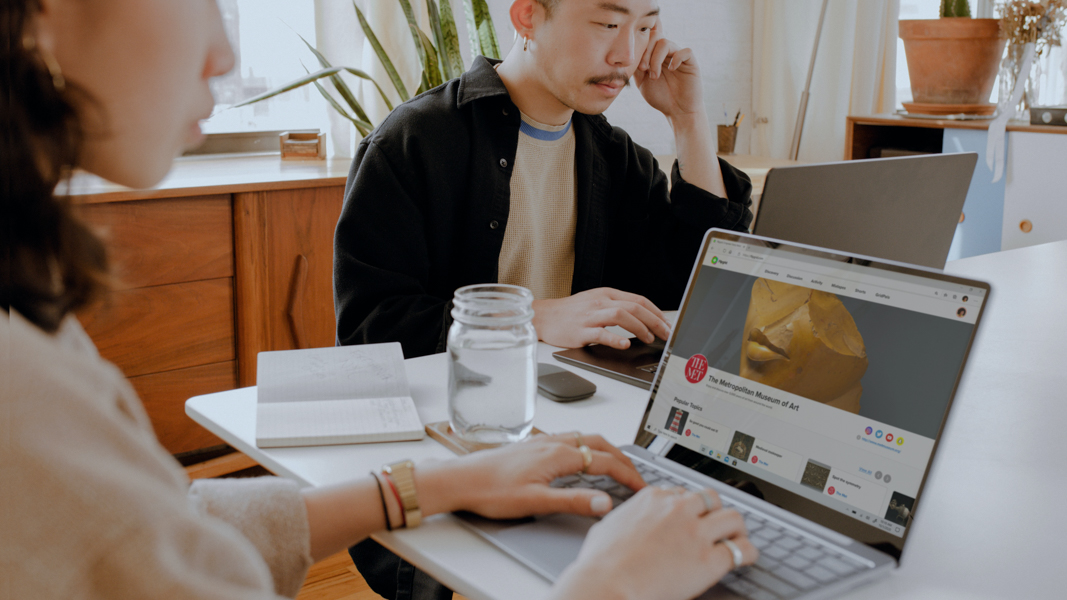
{"x": 218, "y": 174}
{"x": 899, "y": 121}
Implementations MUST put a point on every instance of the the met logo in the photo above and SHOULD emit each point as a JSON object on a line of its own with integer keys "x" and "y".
{"x": 696, "y": 368}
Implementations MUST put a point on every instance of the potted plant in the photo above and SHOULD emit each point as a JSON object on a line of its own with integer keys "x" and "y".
{"x": 439, "y": 56}
{"x": 952, "y": 61}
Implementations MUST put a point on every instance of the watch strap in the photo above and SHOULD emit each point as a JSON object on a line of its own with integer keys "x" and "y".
{"x": 402, "y": 475}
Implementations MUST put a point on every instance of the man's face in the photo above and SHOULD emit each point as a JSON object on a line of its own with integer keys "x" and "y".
{"x": 588, "y": 49}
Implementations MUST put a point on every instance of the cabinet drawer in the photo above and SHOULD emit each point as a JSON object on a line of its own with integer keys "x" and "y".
{"x": 1035, "y": 200}
{"x": 165, "y": 327}
{"x": 156, "y": 242}
{"x": 164, "y": 396}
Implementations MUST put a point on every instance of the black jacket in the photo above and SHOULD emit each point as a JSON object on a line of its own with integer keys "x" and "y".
{"x": 427, "y": 202}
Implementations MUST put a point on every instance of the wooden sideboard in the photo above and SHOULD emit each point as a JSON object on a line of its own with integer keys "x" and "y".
{"x": 228, "y": 257}
{"x": 1027, "y": 206}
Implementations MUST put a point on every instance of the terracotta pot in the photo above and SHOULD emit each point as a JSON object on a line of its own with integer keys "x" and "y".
{"x": 952, "y": 60}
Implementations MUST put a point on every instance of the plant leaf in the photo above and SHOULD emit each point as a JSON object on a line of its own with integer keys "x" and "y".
{"x": 435, "y": 29}
{"x": 448, "y": 47}
{"x": 472, "y": 29}
{"x": 382, "y": 56}
{"x": 363, "y": 75}
{"x": 413, "y": 26}
{"x": 486, "y": 31}
{"x": 431, "y": 68}
{"x": 338, "y": 83}
{"x": 292, "y": 85}
{"x": 361, "y": 126}
{"x": 431, "y": 73}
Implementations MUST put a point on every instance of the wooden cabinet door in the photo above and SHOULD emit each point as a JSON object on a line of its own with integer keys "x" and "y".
{"x": 169, "y": 323}
{"x": 284, "y": 271}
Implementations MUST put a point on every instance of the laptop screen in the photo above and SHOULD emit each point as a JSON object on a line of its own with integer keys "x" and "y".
{"x": 819, "y": 382}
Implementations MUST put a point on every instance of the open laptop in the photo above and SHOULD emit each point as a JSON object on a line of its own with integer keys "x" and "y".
{"x": 810, "y": 389}
{"x": 904, "y": 209}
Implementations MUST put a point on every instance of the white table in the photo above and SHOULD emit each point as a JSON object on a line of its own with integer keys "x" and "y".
{"x": 990, "y": 524}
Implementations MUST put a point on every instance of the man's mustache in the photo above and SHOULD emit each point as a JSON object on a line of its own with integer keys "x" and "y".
{"x": 622, "y": 78}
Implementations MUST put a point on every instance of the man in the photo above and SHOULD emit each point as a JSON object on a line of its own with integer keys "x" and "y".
{"x": 509, "y": 174}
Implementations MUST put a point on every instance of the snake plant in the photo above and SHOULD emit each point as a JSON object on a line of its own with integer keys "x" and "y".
{"x": 438, "y": 54}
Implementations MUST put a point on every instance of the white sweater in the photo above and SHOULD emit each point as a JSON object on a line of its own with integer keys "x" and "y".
{"x": 91, "y": 506}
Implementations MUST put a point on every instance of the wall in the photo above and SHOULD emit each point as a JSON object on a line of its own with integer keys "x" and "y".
{"x": 720, "y": 34}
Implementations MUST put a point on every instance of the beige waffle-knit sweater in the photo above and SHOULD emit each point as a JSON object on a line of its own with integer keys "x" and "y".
{"x": 91, "y": 506}
{"x": 538, "y": 248}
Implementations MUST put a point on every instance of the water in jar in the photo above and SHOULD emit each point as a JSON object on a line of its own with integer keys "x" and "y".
{"x": 492, "y": 386}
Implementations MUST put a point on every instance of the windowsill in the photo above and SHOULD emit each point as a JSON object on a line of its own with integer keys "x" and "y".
{"x": 218, "y": 174}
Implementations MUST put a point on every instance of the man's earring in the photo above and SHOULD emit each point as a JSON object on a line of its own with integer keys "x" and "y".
{"x": 29, "y": 43}
{"x": 525, "y": 43}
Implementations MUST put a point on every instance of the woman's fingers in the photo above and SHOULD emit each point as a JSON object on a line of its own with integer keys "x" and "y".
{"x": 605, "y": 463}
{"x": 607, "y": 459}
{"x": 749, "y": 552}
{"x": 578, "y": 501}
{"x": 597, "y": 442}
{"x": 723, "y": 524}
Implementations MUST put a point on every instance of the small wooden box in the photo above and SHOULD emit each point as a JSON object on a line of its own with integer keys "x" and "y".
{"x": 303, "y": 145}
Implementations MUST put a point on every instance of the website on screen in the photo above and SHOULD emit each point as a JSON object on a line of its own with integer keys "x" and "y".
{"x": 828, "y": 379}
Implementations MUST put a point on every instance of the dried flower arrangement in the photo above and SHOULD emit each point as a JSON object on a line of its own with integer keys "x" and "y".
{"x": 1023, "y": 22}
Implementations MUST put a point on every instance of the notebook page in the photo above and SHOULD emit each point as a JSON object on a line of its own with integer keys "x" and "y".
{"x": 339, "y": 373}
{"x": 323, "y": 422}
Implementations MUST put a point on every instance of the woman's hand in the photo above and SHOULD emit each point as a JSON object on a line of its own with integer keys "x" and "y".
{"x": 662, "y": 544}
{"x": 512, "y": 481}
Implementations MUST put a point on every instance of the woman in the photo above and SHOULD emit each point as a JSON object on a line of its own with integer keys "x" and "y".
{"x": 93, "y": 506}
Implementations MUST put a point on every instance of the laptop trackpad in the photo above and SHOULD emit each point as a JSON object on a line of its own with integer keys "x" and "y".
{"x": 548, "y": 545}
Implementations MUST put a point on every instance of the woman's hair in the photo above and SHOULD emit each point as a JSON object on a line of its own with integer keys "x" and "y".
{"x": 52, "y": 263}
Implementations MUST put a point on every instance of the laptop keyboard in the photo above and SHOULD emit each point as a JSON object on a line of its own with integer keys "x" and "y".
{"x": 790, "y": 563}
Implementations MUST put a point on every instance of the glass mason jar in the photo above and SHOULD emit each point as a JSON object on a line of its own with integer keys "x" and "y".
{"x": 492, "y": 376}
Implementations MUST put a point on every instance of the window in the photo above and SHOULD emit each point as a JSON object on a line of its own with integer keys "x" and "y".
{"x": 912, "y": 9}
{"x": 265, "y": 39}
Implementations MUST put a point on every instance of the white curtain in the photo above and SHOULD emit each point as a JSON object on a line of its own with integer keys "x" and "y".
{"x": 855, "y": 72}
{"x": 341, "y": 41}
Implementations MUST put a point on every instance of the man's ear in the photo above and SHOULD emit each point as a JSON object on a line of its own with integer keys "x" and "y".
{"x": 524, "y": 15}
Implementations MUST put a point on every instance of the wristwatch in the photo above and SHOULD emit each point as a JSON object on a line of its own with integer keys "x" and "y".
{"x": 403, "y": 476}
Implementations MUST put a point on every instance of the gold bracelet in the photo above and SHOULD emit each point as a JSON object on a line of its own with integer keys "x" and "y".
{"x": 403, "y": 475}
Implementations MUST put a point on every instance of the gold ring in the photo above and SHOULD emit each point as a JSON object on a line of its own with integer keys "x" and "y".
{"x": 578, "y": 438}
{"x": 587, "y": 457}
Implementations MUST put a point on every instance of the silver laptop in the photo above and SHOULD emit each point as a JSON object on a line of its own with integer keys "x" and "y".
{"x": 904, "y": 208}
{"x": 809, "y": 388}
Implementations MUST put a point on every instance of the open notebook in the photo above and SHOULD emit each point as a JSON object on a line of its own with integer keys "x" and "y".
{"x": 342, "y": 395}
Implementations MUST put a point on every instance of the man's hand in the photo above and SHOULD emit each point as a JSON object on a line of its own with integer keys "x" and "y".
{"x": 669, "y": 78}
{"x": 580, "y": 320}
